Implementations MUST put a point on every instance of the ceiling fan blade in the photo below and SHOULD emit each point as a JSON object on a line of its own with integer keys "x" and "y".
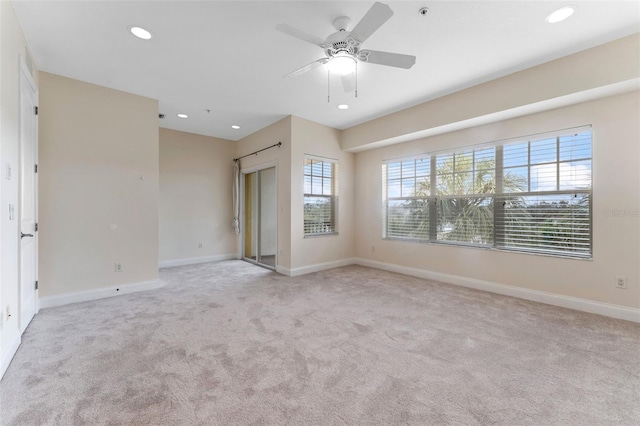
{"x": 387, "y": 58}
{"x": 306, "y": 68}
{"x": 349, "y": 82}
{"x": 299, "y": 34}
{"x": 371, "y": 21}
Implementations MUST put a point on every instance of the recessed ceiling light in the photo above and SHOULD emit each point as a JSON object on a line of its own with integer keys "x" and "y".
{"x": 235, "y": 127}
{"x": 183, "y": 115}
{"x": 140, "y": 33}
{"x": 343, "y": 106}
{"x": 560, "y": 14}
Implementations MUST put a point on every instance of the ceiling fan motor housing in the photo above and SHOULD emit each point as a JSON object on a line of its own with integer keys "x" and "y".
{"x": 341, "y": 43}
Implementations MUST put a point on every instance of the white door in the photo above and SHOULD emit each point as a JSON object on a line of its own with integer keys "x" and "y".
{"x": 28, "y": 188}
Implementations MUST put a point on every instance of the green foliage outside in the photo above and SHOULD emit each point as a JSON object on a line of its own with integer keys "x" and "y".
{"x": 318, "y": 215}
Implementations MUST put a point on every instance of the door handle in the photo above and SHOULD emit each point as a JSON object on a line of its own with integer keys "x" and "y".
{"x": 22, "y": 235}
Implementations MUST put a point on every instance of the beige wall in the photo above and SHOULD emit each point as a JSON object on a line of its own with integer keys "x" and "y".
{"x": 612, "y": 66}
{"x": 281, "y": 158}
{"x": 195, "y": 196}
{"x": 12, "y": 48}
{"x": 98, "y": 170}
{"x": 616, "y": 186}
{"x": 315, "y": 139}
{"x": 297, "y": 254}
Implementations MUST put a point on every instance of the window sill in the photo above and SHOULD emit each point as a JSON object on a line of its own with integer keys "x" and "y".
{"x": 325, "y": 234}
{"x": 492, "y": 248}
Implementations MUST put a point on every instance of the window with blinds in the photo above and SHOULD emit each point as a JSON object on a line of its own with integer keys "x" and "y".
{"x": 466, "y": 186}
{"x": 408, "y": 187}
{"x": 549, "y": 210}
{"x": 529, "y": 195}
{"x": 320, "y": 196}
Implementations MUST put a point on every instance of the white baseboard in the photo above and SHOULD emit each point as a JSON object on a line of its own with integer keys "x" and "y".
{"x": 282, "y": 270}
{"x": 317, "y": 267}
{"x": 606, "y": 309}
{"x": 8, "y": 353}
{"x": 97, "y": 293}
{"x": 195, "y": 260}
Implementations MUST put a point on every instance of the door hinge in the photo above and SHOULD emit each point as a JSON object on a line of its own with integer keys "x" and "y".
{"x": 36, "y": 227}
{"x": 35, "y": 168}
{"x": 35, "y": 110}
{"x": 36, "y": 285}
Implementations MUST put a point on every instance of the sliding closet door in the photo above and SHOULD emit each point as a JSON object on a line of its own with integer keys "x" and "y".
{"x": 268, "y": 217}
{"x": 250, "y": 216}
{"x": 260, "y": 217}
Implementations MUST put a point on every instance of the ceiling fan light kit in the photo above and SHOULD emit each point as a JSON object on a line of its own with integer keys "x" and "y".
{"x": 342, "y": 64}
{"x": 343, "y": 48}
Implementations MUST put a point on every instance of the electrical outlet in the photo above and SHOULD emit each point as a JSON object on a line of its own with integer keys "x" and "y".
{"x": 373, "y": 249}
{"x": 118, "y": 267}
{"x": 199, "y": 245}
{"x": 621, "y": 282}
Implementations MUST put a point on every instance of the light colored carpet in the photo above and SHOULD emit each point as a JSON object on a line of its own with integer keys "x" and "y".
{"x": 232, "y": 344}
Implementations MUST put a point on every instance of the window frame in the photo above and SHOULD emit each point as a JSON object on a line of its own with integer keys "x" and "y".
{"x": 574, "y": 248}
{"x": 332, "y": 197}
{"x": 425, "y": 198}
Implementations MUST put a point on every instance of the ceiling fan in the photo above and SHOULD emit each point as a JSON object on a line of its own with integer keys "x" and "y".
{"x": 343, "y": 49}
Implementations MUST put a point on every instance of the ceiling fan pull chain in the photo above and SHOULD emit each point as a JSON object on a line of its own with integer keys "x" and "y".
{"x": 356, "y": 79}
{"x": 328, "y": 85}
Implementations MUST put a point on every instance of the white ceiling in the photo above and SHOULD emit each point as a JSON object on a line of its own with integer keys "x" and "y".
{"x": 226, "y": 56}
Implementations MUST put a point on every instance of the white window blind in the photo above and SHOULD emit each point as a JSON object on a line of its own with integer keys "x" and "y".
{"x": 466, "y": 185}
{"x": 408, "y": 188}
{"x": 551, "y": 213}
{"x": 320, "y": 196}
{"x": 528, "y": 195}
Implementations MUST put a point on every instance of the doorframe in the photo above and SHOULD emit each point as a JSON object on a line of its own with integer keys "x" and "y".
{"x": 24, "y": 71}
{"x": 243, "y": 172}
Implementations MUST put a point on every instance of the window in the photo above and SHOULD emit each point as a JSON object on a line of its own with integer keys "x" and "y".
{"x": 408, "y": 189}
{"x": 529, "y": 195}
{"x": 320, "y": 196}
{"x": 550, "y": 210}
{"x": 465, "y": 183}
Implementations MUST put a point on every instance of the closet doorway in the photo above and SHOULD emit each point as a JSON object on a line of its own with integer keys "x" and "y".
{"x": 260, "y": 217}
